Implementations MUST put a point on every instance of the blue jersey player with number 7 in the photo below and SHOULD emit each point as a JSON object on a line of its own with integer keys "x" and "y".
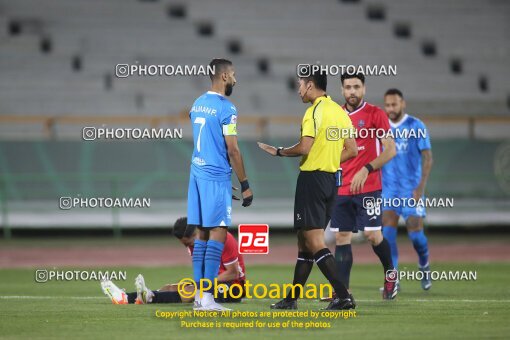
{"x": 215, "y": 153}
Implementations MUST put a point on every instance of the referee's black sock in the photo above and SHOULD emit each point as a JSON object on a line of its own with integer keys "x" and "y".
{"x": 166, "y": 297}
{"x": 383, "y": 251}
{"x": 326, "y": 263}
{"x": 343, "y": 257}
{"x": 304, "y": 265}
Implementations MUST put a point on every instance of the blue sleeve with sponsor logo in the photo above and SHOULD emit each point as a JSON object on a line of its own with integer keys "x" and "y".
{"x": 229, "y": 113}
{"x": 229, "y": 119}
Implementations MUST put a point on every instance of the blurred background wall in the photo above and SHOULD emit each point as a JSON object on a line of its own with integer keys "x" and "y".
{"x": 57, "y": 66}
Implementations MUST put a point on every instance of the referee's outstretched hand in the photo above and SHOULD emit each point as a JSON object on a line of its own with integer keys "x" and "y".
{"x": 247, "y": 197}
{"x": 267, "y": 148}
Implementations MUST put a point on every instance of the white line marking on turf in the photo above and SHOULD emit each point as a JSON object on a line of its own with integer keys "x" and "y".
{"x": 415, "y": 300}
{"x": 34, "y": 297}
{"x": 26, "y": 297}
{"x": 453, "y": 300}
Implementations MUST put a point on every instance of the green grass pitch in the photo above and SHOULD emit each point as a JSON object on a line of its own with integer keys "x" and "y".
{"x": 468, "y": 309}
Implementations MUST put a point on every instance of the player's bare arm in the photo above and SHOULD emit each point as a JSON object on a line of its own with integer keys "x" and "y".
{"x": 350, "y": 150}
{"x": 300, "y": 149}
{"x": 426, "y": 167}
{"x": 231, "y": 273}
{"x": 236, "y": 161}
{"x": 388, "y": 153}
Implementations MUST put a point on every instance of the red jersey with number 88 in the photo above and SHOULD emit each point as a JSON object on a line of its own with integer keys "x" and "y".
{"x": 370, "y": 122}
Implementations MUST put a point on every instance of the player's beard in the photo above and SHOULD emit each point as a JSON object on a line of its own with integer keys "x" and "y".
{"x": 228, "y": 89}
{"x": 395, "y": 116}
{"x": 353, "y": 101}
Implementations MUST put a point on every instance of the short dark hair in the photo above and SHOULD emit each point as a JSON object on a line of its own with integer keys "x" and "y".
{"x": 358, "y": 75}
{"x": 219, "y": 65}
{"x": 394, "y": 91}
{"x": 318, "y": 77}
{"x": 182, "y": 229}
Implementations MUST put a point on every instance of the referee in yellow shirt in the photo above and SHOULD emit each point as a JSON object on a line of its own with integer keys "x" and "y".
{"x": 323, "y": 146}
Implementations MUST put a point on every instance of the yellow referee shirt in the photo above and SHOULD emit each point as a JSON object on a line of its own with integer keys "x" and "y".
{"x": 329, "y": 125}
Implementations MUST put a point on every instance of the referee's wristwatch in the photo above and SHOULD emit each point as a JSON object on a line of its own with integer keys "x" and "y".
{"x": 279, "y": 151}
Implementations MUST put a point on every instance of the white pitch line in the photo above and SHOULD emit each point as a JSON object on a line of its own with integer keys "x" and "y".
{"x": 34, "y": 297}
{"x": 415, "y": 300}
{"x": 26, "y": 297}
{"x": 453, "y": 300}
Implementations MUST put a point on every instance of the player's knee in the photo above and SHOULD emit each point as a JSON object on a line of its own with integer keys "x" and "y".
{"x": 343, "y": 237}
{"x": 302, "y": 247}
{"x": 218, "y": 234}
{"x": 314, "y": 244}
{"x": 301, "y": 242}
{"x": 374, "y": 237}
{"x": 414, "y": 224}
{"x": 203, "y": 234}
{"x": 389, "y": 218}
{"x": 413, "y": 228}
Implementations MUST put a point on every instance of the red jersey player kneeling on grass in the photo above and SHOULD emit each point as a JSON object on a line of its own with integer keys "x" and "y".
{"x": 232, "y": 273}
{"x": 357, "y": 205}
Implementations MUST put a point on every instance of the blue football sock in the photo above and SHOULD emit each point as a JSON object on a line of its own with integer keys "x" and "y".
{"x": 212, "y": 260}
{"x": 390, "y": 234}
{"x": 199, "y": 248}
{"x": 421, "y": 246}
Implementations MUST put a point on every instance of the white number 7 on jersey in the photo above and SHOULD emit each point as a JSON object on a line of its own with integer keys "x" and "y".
{"x": 201, "y": 121}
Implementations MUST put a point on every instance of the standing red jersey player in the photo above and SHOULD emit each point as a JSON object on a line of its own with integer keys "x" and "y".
{"x": 356, "y": 206}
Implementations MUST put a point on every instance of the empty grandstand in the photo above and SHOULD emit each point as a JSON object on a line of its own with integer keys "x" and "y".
{"x": 58, "y": 61}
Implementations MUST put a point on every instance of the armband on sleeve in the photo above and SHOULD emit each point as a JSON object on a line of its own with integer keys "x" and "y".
{"x": 230, "y": 130}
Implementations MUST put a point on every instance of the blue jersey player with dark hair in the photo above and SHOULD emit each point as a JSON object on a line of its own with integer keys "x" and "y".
{"x": 214, "y": 121}
{"x": 404, "y": 181}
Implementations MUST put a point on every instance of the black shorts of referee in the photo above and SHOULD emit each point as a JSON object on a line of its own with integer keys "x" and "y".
{"x": 315, "y": 195}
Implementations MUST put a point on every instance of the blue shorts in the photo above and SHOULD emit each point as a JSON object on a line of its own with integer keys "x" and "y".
{"x": 357, "y": 212}
{"x": 209, "y": 202}
{"x": 401, "y": 205}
